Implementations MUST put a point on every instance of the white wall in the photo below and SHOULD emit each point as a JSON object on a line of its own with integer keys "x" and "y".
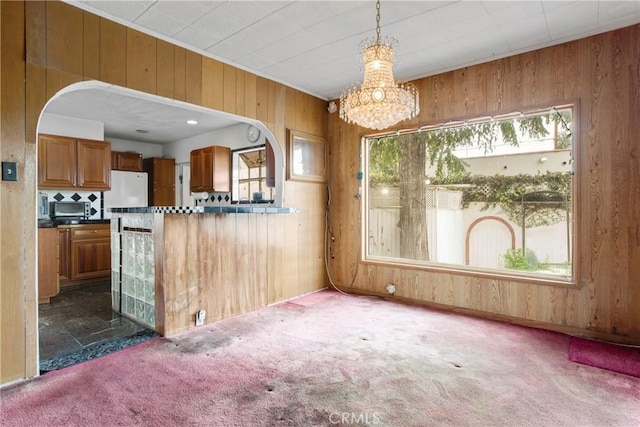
{"x": 144, "y": 148}
{"x": 55, "y": 124}
{"x": 233, "y": 137}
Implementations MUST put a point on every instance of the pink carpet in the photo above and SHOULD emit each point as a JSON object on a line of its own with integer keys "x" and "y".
{"x": 617, "y": 358}
{"x": 328, "y": 359}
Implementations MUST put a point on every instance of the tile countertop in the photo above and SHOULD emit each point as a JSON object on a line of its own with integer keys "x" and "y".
{"x": 52, "y": 223}
{"x": 225, "y": 209}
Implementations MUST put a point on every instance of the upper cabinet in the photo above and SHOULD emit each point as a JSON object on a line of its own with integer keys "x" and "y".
{"x": 162, "y": 181}
{"x": 211, "y": 169}
{"x": 65, "y": 162}
{"x": 126, "y": 161}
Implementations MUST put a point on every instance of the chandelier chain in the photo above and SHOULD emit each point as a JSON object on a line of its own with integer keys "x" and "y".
{"x": 378, "y": 22}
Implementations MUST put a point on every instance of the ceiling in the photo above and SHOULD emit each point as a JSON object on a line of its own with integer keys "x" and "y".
{"x": 313, "y": 45}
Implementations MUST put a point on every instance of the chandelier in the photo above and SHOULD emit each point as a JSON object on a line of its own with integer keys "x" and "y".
{"x": 379, "y": 102}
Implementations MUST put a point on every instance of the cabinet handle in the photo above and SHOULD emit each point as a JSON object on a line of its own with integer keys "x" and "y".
{"x": 94, "y": 231}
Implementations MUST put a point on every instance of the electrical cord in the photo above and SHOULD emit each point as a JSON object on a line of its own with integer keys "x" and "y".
{"x": 327, "y": 249}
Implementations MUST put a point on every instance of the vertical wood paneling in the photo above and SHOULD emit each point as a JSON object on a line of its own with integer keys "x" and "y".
{"x": 262, "y": 100}
{"x": 165, "y": 66}
{"x": 193, "y": 78}
{"x": 36, "y": 35}
{"x": 192, "y": 282}
{"x": 57, "y": 80}
{"x": 180, "y": 75}
{"x": 302, "y": 112}
{"x": 14, "y": 263}
{"x": 276, "y": 257}
{"x": 36, "y": 97}
{"x": 29, "y": 174}
{"x": 174, "y": 275}
{"x": 212, "y": 84}
{"x": 240, "y": 91}
{"x": 229, "y": 88}
{"x": 290, "y": 109}
{"x": 158, "y": 261}
{"x": 632, "y": 322}
{"x": 141, "y": 61}
{"x": 64, "y": 37}
{"x": 113, "y": 60}
{"x": 91, "y": 46}
{"x": 603, "y": 74}
{"x": 250, "y": 95}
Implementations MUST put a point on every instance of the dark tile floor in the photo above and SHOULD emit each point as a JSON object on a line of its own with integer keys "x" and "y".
{"x": 79, "y": 318}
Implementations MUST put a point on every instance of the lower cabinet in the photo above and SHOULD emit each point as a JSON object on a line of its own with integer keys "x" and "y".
{"x": 88, "y": 253}
{"x": 64, "y": 253}
{"x": 48, "y": 284}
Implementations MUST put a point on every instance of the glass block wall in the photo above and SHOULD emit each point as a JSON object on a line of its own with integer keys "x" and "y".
{"x": 133, "y": 277}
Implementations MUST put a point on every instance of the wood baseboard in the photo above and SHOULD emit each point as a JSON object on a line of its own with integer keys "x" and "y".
{"x": 568, "y": 330}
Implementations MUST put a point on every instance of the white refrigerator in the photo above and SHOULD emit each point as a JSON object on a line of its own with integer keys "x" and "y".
{"x": 128, "y": 190}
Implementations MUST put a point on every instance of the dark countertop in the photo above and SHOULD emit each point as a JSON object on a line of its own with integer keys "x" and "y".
{"x": 225, "y": 209}
{"x": 52, "y": 223}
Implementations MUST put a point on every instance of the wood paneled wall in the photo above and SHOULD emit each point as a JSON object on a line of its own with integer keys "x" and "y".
{"x": 231, "y": 264}
{"x": 601, "y": 72}
{"x": 51, "y": 45}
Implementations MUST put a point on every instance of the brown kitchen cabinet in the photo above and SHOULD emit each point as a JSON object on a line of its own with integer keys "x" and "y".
{"x": 90, "y": 251}
{"x": 211, "y": 169}
{"x": 161, "y": 173}
{"x": 85, "y": 252}
{"x": 48, "y": 282}
{"x": 126, "y": 161}
{"x": 64, "y": 254}
{"x": 65, "y": 162}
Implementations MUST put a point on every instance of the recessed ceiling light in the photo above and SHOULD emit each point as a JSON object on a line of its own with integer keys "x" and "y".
{"x": 192, "y": 122}
{"x": 142, "y": 131}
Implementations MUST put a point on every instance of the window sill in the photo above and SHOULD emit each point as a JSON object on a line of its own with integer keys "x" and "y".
{"x": 538, "y": 279}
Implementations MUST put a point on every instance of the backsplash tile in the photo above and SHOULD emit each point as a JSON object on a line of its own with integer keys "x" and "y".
{"x": 215, "y": 199}
{"x": 94, "y": 197}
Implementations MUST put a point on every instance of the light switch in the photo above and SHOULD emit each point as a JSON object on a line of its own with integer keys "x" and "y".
{"x": 9, "y": 171}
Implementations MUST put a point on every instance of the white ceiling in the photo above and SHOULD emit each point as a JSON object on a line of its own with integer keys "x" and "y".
{"x": 313, "y": 45}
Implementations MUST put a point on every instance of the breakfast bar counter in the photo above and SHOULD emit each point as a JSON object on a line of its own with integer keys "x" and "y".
{"x": 168, "y": 263}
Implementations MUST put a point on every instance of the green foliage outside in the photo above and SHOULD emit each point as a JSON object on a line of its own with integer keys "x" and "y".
{"x": 505, "y": 192}
{"x": 440, "y": 145}
{"x": 515, "y": 259}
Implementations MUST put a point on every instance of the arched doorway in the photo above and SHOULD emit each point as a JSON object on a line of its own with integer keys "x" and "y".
{"x": 488, "y": 239}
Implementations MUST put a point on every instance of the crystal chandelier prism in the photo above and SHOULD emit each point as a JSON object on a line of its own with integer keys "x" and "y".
{"x": 379, "y": 102}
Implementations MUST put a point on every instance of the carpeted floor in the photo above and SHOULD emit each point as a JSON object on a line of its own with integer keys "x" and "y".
{"x": 329, "y": 359}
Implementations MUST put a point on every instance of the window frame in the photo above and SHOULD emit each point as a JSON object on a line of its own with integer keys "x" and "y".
{"x": 573, "y": 281}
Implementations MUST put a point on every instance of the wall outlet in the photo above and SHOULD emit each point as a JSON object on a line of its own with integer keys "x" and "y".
{"x": 391, "y": 288}
{"x": 200, "y": 315}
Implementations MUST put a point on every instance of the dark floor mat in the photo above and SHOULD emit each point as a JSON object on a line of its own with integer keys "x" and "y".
{"x": 95, "y": 351}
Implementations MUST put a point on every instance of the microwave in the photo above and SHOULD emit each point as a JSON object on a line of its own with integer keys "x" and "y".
{"x": 70, "y": 210}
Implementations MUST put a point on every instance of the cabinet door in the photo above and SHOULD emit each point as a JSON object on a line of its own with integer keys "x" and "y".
{"x": 221, "y": 169}
{"x": 124, "y": 161}
{"x": 48, "y": 285}
{"x": 64, "y": 252}
{"x": 56, "y": 162}
{"x": 196, "y": 167}
{"x": 90, "y": 258}
{"x": 94, "y": 165}
{"x": 162, "y": 181}
{"x": 211, "y": 169}
{"x": 271, "y": 166}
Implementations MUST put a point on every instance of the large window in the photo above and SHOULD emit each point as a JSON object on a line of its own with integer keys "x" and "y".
{"x": 492, "y": 195}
